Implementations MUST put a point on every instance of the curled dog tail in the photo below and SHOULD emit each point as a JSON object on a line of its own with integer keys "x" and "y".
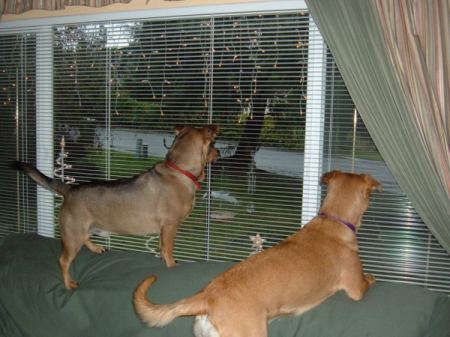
{"x": 48, "y": 183}
{"x": 157, "y": 315}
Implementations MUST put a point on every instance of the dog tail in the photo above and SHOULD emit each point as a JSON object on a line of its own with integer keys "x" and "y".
{"x": 157, "y": 315}
{"x": 48, "y": 183}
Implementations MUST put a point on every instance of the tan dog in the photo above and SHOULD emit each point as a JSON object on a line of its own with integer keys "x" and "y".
{"x": 156, "y": 201}
{"x": 289, "y": 278}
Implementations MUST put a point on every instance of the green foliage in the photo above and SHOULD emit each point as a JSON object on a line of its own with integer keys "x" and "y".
{"x": 130, "y": 112}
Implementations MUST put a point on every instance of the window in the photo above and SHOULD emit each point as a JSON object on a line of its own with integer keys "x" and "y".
{"x": 113, "y": 91}
{"x": 121, "y": 87}
{"x": 17, "y": 129}
{"x": 394, "y": 242}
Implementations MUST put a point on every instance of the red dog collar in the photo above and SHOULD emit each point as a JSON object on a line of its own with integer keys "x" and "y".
{"x": 172, "y": 165}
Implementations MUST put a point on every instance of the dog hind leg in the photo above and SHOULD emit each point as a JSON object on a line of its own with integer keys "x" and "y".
{"x": 73, "y": 236}
{"x": 69, "y": 251}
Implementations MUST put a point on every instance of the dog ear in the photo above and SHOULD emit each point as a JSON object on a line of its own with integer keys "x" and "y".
{"x": 327, "y": 177}
{"x": 211, "y": 131}
{"x": 179, "y": 129}
{"x": 374, "y": 185}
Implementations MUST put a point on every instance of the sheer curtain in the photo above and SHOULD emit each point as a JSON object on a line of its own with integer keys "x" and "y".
{"x": 394, "y": 58}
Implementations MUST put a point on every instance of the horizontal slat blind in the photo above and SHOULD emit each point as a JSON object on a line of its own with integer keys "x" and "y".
{"x": 119, "y": 87}
{"x": 394, "y": 242}
{"x": 17, "y": 130}
{"x": 259, "y": 89}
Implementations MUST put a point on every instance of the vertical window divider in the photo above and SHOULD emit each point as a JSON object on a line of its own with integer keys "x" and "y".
{"x": 19, "y": 189}
{"x": 44, "y": 126}
{"x": 210, "y": 120}
{"x": 108, "y": 79}
{"x": 314, "y": 130}
{"x": 355, "y": 124}
{"x": 108, "y": 85}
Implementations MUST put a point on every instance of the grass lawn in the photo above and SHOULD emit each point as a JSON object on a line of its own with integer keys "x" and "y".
{"x": 121, "y": 164}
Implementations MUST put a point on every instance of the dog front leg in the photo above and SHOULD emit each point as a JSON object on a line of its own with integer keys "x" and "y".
{"x": 358, "y": 287}
{"x": 167, "y": 239}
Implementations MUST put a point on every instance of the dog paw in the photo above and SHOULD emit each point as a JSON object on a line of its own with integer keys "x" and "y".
{"x": 171, "y": 265}
{"x": 97, "y": 249}
{"x": 72, "y": 284}
{"x": 370, "y": 278}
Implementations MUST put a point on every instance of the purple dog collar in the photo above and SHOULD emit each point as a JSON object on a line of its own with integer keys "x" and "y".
{"x": 337, "y": 219}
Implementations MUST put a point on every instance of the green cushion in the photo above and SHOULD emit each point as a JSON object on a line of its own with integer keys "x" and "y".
{"x": 34, "y": 302}
{"x": 388, "y": 310}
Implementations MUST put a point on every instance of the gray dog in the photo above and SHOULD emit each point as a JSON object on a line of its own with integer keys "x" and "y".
{"x": 156, "y": 201}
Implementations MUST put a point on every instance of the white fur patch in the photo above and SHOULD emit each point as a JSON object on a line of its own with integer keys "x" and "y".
{"x": 100, "y": 232}
{"x": 204, "y": 328}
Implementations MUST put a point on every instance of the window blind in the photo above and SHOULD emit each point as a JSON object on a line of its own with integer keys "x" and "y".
{"x": 17, "y": 129}
{"x": 395, "y": 244}
{"x": 98, "y": 100}
{"x": 120, "y": 88}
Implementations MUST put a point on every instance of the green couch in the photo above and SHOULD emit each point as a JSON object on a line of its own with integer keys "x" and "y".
{"x": 33, "y": 301}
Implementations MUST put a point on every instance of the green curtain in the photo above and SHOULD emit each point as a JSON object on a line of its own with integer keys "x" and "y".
{"x": 354, "y": 35}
